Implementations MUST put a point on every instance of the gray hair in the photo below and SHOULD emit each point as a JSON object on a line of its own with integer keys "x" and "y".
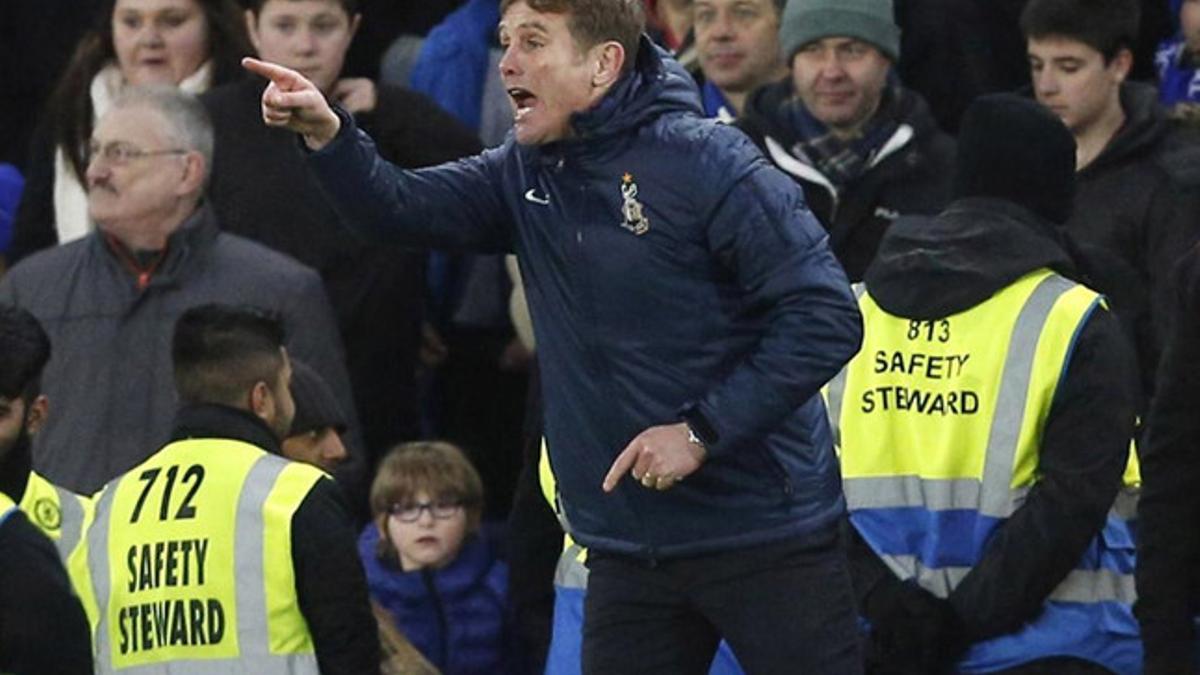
{"x": 188, "y": 123}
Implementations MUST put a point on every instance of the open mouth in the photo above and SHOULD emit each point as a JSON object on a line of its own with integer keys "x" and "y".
{"x": 523, "y": 100}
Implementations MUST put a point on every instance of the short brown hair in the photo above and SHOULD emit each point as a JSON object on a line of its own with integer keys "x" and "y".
{"x": 594, "y": 21}
{"x": 438, "y": 468}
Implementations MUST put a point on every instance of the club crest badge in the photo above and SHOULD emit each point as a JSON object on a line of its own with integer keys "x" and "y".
{"x": 631, "y": 209}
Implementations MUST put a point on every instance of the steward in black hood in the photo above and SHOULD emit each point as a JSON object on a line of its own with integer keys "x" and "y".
{"x": 1012, "y": 191}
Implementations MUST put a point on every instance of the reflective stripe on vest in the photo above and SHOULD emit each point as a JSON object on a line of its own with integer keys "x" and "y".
{"x": 190, "y": 564}
{"x": 571, "y": 571}
{"x": 836, "y": 389}
{"x": 939, "y": 444}
{"x": 56, "y": 511}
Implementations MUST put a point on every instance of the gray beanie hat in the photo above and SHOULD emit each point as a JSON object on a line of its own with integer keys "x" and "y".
{"x": 872, "y": 21}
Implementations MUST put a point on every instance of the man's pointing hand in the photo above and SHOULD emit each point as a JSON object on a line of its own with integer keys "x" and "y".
{"x": 292, "y": 102}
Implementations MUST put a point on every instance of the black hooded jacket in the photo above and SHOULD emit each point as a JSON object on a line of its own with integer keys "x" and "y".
{"x": 914, "y": 179}
{"x": 930, "y": 268}
{"x": 1169, "y": 546}
{"x": 1136, "y": 211}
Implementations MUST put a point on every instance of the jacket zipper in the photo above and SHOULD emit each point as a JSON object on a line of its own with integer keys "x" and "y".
{"x": 443, "y": 626}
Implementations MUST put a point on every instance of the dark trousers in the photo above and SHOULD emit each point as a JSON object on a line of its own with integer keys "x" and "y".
{"x": 783, "y": 608}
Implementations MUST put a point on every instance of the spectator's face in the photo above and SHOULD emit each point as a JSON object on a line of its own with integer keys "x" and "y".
{"x": 840, "y": 80}
{"x": 12, "y": 423}
{"x": 18, "y": 421}
{"x": 1073, "y": 81}
{"x": 1189, "y": 23}
{"x": 738, "y": 42}
{"x": 323, "y": 448}
{"x": 547, "y": 76}
{"x": 309, "y": 36}
{"x": 434, "y": 539}
{"x": 136, "y": 172}
{"x": 159, "y": 41}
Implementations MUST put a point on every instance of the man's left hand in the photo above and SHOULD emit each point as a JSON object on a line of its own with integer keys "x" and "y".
{"x": 657, "y": 458}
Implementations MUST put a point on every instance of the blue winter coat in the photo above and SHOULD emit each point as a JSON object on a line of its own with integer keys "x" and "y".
{"x": 729, "y": 309}
{"x": 452, "y": 66}
{"x": 457, "y": 616}
{"x": 1176, "y": 83}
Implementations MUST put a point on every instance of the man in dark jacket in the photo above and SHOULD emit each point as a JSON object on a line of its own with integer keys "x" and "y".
{"x": 42, "y": 625}
{"x": 685, "y": 329}
{"x": 1136, "y": 181}
{"x": 864, "y": 148}
{"x": 1009, "y": 558}
{"x": 1169, "y": 544}
{"x": 108, "y": 300}
{"x": 262, "y": 190}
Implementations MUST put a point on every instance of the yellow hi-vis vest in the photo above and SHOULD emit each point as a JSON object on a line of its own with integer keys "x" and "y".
{"x": 187, "y": 564}
{"x": 571, "y": 571}
{"x": 7, "y": 506}
{"x": 57, "y": 512}
{"x": 939, "y": 425}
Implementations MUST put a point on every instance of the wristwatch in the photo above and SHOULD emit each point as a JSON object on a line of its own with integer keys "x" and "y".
{"x": 692, "y": 437}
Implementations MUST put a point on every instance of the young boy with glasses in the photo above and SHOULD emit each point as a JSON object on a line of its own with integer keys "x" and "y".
{"x": 427, "y": 565}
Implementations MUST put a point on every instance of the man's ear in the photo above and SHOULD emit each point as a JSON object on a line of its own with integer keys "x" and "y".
{"x": 262, "y": 401}
{"x": 354, "y": 23}
{"x": 194, "y": 171}
{"x": 35, "y": 417}
{"x": 1121, "y": 64}
{"x": 608, "y": 58}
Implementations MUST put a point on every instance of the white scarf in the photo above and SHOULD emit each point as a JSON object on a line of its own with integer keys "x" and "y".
{"x": 70, "y": 198}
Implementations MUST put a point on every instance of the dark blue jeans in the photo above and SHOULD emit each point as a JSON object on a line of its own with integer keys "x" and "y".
{"x": 784, "y": 608}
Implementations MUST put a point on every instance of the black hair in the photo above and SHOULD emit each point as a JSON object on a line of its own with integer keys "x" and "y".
{"x": 221, "y": 351}
{"x": 24, "y": 351}
{"x": 1108, "y": 26}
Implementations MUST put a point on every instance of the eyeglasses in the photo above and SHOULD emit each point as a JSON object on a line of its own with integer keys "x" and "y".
{"x": 123, "y": 153}
{"x": 411, "y": 512}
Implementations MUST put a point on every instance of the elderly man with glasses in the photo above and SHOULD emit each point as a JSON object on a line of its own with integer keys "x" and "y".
{"x": 108, "y": 301}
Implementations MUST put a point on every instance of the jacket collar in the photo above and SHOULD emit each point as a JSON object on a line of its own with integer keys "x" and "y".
{"x": 210, "y": 420}
{"x": 1145, "y": 125}
{"x": 193, "y": 238}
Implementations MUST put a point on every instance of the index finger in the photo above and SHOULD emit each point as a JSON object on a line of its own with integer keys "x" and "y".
{"x": 623, "y": 463}
{"x": 281, "y": 76}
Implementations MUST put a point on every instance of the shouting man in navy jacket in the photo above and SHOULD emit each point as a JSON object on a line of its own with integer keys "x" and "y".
{"x": 687, "y": 309}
